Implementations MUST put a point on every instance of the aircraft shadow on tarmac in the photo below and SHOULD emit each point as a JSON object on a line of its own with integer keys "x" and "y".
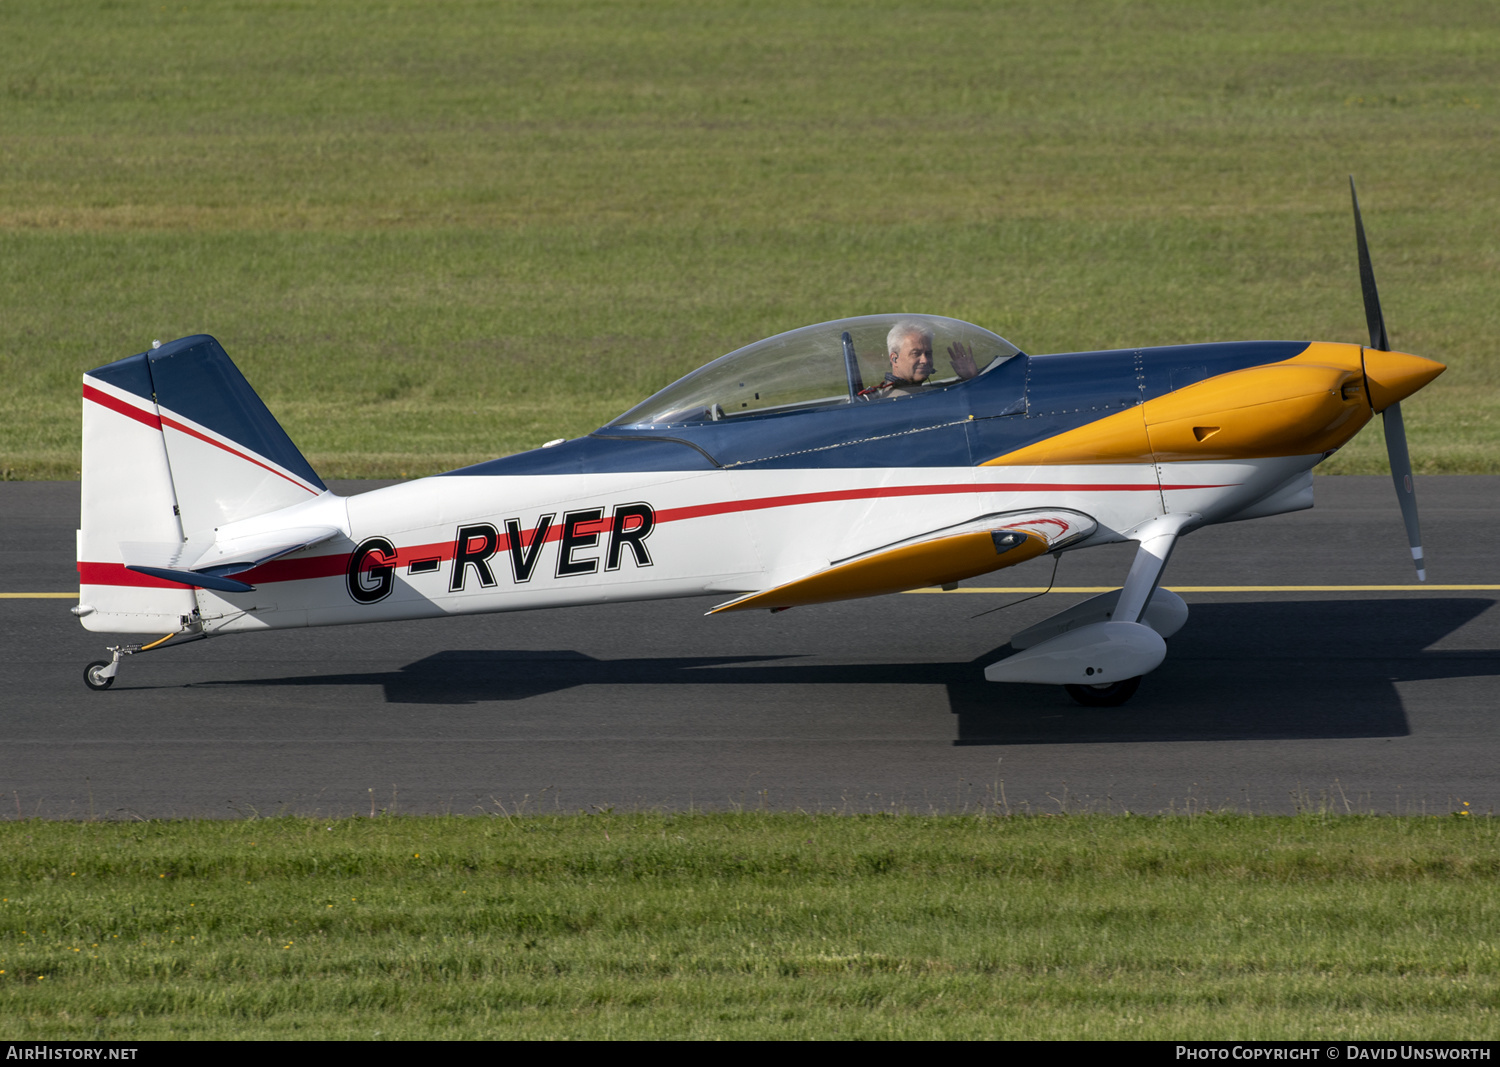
{"x": 1256, "y": 671}
{"x": 1238, "y": 671}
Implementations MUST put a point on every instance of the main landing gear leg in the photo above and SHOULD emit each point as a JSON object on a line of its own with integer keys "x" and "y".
{"x": 1156, "y": 542}
{"x": 100, "y": 674}
{"x": 1100, "y": 649}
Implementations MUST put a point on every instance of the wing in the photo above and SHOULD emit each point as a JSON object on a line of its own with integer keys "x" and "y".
{"x": 940, "y": 557}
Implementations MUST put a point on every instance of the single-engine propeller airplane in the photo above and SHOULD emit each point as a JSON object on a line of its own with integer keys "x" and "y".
{"x": 818, "y": 465}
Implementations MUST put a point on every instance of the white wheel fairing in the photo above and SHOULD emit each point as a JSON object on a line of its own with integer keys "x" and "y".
{"x": 1097, "y": 654}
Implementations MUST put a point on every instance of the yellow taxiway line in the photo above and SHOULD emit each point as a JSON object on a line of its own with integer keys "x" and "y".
{"x": 1227, "y": 589}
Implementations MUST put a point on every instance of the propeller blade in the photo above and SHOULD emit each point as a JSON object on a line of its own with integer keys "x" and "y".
{"x": 1373, "y": 318}
{"x": 1395, "y": 447}
{"x": 1395, "y": 428}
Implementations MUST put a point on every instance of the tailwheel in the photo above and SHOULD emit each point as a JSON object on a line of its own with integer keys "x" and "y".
{"x": 94, "y": 676}
{"x": 1104, "y": 696}
{"x": 101, "y": 673}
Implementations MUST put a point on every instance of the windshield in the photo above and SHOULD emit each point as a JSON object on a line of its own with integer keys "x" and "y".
{"x": 848, "y": 361}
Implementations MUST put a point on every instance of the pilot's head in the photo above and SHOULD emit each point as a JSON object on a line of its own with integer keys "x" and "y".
{"x": 910, "y": 346}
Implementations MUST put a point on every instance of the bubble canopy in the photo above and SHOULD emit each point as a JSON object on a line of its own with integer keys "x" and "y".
{"x": 833, "y": 363}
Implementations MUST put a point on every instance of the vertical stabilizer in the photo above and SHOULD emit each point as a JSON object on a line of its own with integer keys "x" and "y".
{"x": 127, "y": 497}
{"x": 230, "y": 459}
{"x": 175, "y": 445}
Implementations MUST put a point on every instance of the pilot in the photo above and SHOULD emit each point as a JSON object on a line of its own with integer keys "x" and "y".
{"x": 910, "y": 347}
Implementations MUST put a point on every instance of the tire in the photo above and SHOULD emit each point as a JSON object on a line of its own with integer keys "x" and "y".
{"x": 91, "y": 677}
{"x": 1104, "y": 696}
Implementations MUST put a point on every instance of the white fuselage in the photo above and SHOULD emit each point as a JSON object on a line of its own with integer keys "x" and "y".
{"x": 447, "y": 545}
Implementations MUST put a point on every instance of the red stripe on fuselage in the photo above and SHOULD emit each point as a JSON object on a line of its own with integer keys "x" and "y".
{"x": 698, "y": 511}
{"x": 119, "y": 574}
{"x": 293, "y": 570}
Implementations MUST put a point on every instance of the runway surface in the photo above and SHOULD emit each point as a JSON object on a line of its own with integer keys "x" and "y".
{"x": 1268, "y": 701}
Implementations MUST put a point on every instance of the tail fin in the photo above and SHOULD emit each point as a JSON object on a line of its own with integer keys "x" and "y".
{"x": 175, "y": 444}
{"x": 230, "y": 458}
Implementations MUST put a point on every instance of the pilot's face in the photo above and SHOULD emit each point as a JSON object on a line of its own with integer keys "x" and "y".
{"x": 913, "y": 361}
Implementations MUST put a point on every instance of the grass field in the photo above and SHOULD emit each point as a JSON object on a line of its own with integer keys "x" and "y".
{"x": 431, "y": 233}
{"x": 753, "y": 925}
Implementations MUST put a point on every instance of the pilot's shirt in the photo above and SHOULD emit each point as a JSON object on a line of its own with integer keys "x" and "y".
{"x": 890, "y": 385}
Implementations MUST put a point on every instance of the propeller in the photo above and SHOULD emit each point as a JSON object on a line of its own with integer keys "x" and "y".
{"x": 1395, "y": 429}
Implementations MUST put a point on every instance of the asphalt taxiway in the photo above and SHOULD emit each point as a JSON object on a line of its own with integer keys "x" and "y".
{"x": 1350, "y": 699}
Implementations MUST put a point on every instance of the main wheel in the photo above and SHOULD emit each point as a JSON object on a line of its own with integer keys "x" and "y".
{"x": 1104, "y": 696}
{"x": 93, "y": 679}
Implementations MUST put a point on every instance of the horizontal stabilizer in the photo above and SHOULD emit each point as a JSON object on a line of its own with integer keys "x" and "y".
{"x": 252, "y": 550}
{"x": 208, "y": 565}
{"x": 226, "y": 556}
{"x": 941, "y": 557}
{"x": 193, "y": 578}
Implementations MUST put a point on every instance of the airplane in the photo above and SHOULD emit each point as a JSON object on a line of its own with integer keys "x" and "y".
{"x": 822, "y": 464}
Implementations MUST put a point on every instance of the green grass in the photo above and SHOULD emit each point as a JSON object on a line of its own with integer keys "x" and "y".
{"x": 432, "y": 233}
{"x": 753, "y": 925}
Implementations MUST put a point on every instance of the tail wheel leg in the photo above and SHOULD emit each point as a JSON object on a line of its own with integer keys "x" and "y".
{"x": 100, "y": 674}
